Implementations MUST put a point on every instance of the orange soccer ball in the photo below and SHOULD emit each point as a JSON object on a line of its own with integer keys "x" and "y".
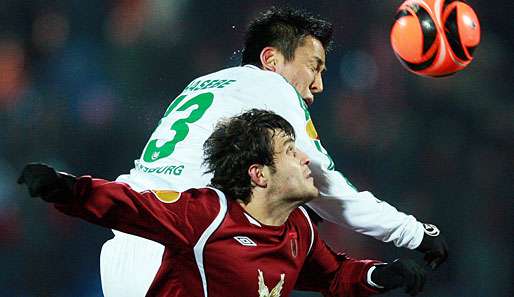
{"x": 435, "y": 37}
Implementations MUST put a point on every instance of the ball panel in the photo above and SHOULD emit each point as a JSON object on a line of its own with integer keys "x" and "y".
{"x": 451, "y": 30}
{"x": 401, "y": 13}
{"x": 469, "y": 26}
{"x": 407, "y": 39}
{"x": 447, "y": 65}
{"x": 418, "y": 66}
{"x": 447, "y": 2}
{"x": 427, "y": 26}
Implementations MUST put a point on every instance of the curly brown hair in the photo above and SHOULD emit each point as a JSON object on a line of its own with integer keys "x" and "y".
{"x": 239, "y": 142}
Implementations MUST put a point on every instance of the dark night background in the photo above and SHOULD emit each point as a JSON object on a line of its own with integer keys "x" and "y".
{"x": 84, "y": 83}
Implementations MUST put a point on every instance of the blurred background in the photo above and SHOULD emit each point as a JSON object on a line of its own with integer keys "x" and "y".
{"x": 84, "y": 83}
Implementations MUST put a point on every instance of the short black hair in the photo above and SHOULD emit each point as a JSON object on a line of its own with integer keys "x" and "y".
{"x": 239, "y": 142}
{"x": 284, "y": 29}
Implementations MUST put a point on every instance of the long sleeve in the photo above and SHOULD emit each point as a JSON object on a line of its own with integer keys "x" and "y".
{"x": 340, "y": 202}
{"x": 334, "y": 275}
{"x": 162, "y": 216}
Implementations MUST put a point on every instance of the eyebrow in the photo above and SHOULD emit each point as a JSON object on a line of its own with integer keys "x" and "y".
{"x": 288, "y": 142}
{"x": 320, "y": 62}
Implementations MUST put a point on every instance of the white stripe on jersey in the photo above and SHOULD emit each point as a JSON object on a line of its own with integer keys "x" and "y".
{"x": 200, "y": 245}
{"x": 310, "y": 226}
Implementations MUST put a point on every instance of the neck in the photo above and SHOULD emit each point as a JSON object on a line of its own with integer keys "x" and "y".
{"x": 269, "y": 211}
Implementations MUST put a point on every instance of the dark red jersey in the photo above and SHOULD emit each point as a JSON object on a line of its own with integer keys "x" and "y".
{"x": 214, "y": 248}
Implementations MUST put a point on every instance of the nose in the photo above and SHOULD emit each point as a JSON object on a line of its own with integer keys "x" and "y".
{"x": 317, "y": 84}
{"x": 304, "y": 159}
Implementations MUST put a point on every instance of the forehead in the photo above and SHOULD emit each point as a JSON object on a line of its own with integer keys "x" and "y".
{"x": 281, "y": 140}
{"x": 311, "y": 49}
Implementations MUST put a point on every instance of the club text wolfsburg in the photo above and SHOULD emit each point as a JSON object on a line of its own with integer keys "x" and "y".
{"x": 170, "y": 169}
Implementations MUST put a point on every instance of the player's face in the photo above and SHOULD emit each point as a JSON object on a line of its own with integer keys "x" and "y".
{"x": 292, "y": 177}
{"x": 305, "y": 70}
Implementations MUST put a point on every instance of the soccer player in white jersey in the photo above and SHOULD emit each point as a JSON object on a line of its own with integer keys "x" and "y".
{"x": 282, "y": 65}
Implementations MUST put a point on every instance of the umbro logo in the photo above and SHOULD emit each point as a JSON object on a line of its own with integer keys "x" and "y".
{"x": 243, "y": 240}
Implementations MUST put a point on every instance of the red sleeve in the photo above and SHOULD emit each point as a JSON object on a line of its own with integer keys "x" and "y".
{"x": 161, "y": 217}
{"x": 334, "y": 275}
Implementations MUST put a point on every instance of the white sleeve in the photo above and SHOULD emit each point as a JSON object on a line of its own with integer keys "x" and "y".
{"x": 339, "y": 201}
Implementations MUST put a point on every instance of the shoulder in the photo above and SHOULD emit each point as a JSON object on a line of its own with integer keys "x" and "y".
{"x": 302, "y": 215}
{"x": 205, "y": 211}
{"x": 244, "y": 77}
{"x": 250, "y": 87}
{"x": 301, "y": 218}
{"x": 255, "y": 77}
{"x": 209, "y": 202}
{"x": 204, "y": 196}
{"x": 268, "y": 77}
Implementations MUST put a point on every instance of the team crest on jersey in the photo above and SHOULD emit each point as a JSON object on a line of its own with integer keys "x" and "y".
{"x": 167, "y": 196}
{"x": 263, "y": 289}
{"x": 293, "y": 243}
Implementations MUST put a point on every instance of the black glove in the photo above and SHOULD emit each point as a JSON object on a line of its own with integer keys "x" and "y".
{"x": 400, "y": 273}
{"x": 434, "y": 246}
{"x": 43, "y": 181}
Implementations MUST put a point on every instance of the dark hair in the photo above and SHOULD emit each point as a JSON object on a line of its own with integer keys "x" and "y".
{"x": 284, "y": 29}
{"x": 236, "y": 144}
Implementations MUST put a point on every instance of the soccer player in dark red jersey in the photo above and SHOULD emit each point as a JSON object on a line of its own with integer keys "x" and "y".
{"x": 246, "y": 235}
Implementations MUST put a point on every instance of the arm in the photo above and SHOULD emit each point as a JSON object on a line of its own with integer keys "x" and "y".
{"x": 362, "y": 212}
{"x": 162, "y": 216}
{"x": 341, "y": 276}
{"x": 115, "y": 205}
{"x": 341, "y": 203}
{"x": 334, "y": 275}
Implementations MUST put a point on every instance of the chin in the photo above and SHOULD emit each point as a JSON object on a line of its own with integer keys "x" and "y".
{"x": 313, "y": 194}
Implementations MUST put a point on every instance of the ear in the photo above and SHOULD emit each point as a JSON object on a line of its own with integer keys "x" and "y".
{"x": 269, "y": 58}
{"x": 256, "y": 173}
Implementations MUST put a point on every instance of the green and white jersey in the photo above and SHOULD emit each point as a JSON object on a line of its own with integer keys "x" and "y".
{"x": 172, "y": 158}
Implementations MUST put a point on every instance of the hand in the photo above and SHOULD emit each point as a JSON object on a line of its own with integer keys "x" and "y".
{"x": 43, "y": 181}
{"x": 434, "y": 246}
{"x": 400, "y": 273}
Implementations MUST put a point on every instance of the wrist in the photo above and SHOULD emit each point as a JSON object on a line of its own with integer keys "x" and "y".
{"x": 61, "y": 191}
{"x": 68, "y": 181}
{"x": 369, "y": 277}
{"x": 430, "y": 232}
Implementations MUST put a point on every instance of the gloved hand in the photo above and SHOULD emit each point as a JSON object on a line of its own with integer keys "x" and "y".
{"x": 400, "y": 273}
{"x": 434, "y": 246}
{"x": 43, "y": 181}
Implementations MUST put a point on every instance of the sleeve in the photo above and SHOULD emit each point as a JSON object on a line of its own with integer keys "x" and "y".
{"x": 161, "y": 216}
{"x": 334, "y": 275}
{"x": 340, "y": 202}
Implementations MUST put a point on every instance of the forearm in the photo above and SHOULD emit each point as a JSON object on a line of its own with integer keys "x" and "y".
{"x": 363, "y": 213}
{"x": 335, "y": 274}
{"x": 351, "y": 279}
{"x": 112, "y": 205}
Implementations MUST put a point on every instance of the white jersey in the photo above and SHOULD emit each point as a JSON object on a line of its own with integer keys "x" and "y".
{"x": 172, "y": 159}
